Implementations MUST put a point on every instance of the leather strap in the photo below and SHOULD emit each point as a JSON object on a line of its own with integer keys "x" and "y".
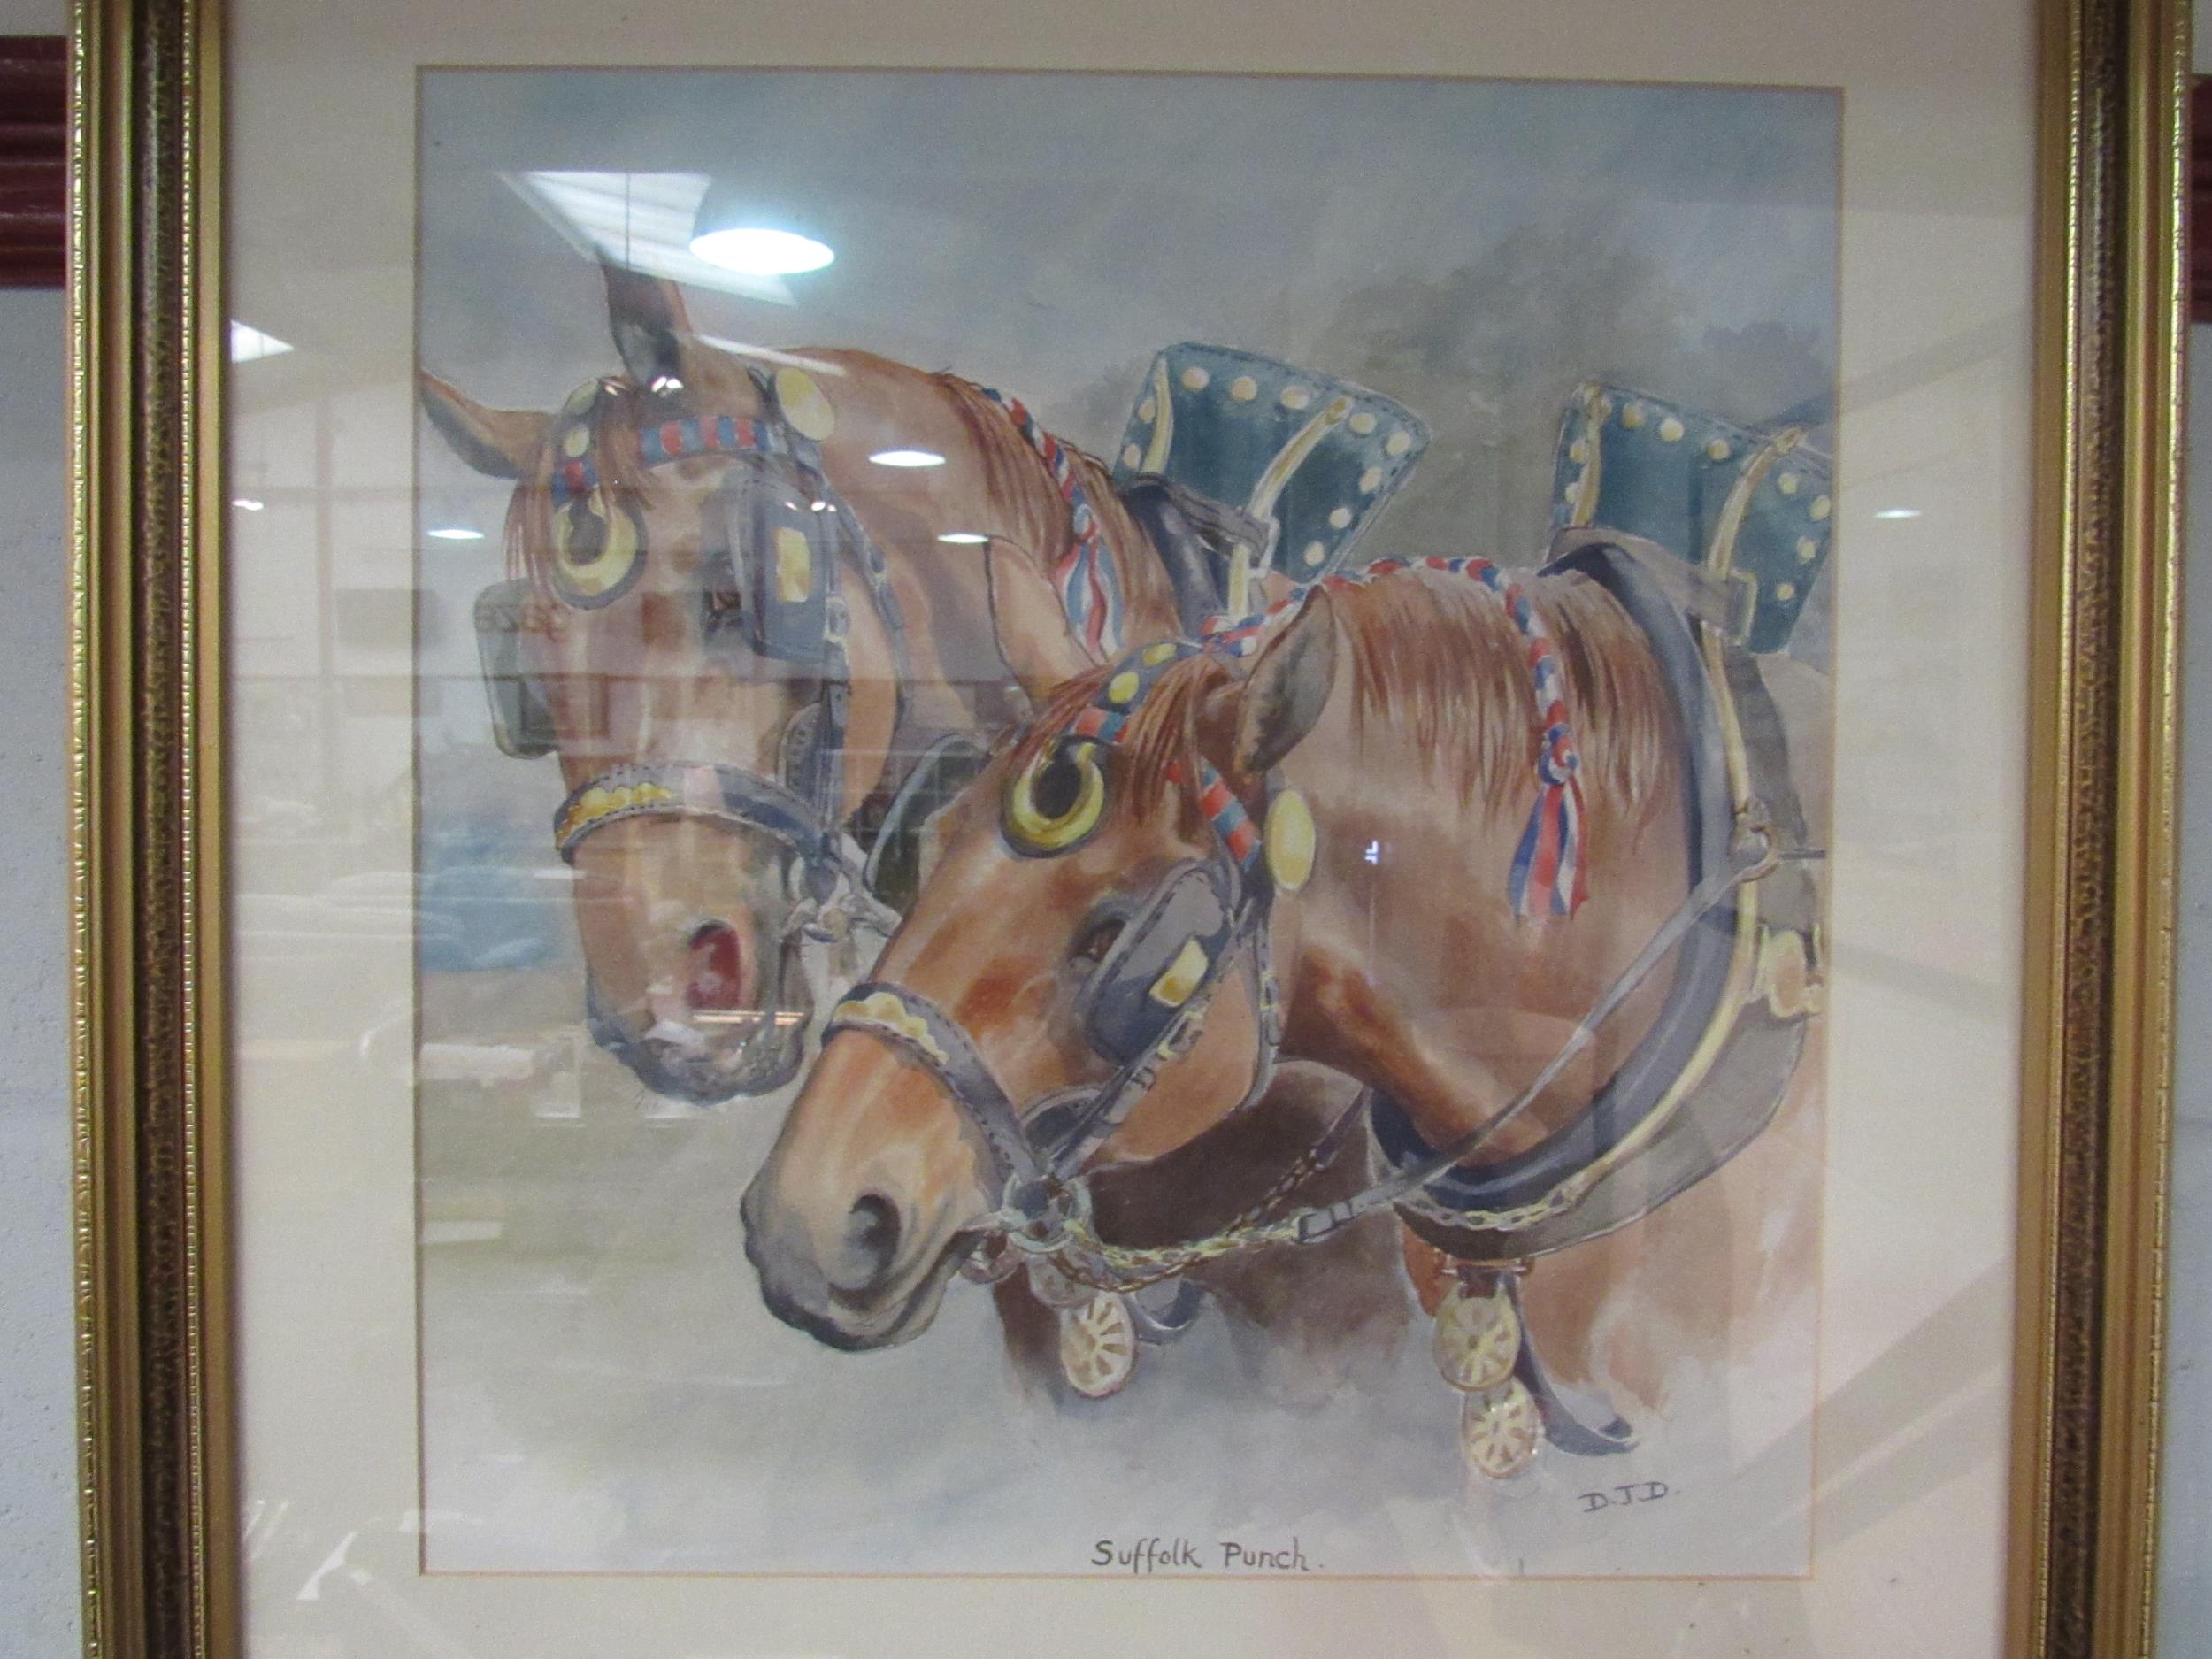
{"x": 1702, "y": 933}
{"x": 927, "y": 1033}
{"x": 684, "y": 788}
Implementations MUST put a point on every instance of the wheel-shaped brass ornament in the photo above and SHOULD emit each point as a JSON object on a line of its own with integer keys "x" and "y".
{"x": 1500, "y": 1431}
{"x": 1054, "y": 1288}
{"x": 1098, "y": 1346}
{"x": 1477, "y": 1338}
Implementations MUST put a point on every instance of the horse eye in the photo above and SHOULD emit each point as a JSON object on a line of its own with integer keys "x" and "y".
{"x": 1056, "y": 801}
{"x": 599, "y": 546}
{"x": 1059, "y": 785}
{"x": 1098, "y": 940}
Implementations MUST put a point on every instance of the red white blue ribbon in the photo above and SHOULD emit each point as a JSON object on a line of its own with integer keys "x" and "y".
{"x": 1549, "y": 875}
{"x": 1125, "y": 693}
{"x": 1090, "y": 588}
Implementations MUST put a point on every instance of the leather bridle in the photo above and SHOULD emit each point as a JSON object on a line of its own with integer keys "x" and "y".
{"x": 780, "y": 499}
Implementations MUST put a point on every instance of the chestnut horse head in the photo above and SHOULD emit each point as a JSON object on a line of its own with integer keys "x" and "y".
{"x": 1172, "y": 874}
{"x": 724, "y": 597}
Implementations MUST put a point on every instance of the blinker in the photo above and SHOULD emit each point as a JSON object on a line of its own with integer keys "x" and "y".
{"x": 522, "y": 720}
{"x": 1161, "y": 959}
{"x": 788, "y": 558}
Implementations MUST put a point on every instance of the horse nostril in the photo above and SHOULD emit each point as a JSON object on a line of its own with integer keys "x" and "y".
{"x": 869, "y": 1247}
{"x": 717, "y": 981}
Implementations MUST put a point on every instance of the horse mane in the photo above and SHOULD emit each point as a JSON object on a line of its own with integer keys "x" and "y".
{"x": 1439, "y": 656}
{"x": 1438, "y": 659}
{"x": 1011, "y": 466}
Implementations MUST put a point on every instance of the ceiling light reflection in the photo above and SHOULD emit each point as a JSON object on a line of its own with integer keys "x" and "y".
{"x": 760, "y": 250}
{"x": 907, "y": 457}
{"x": 455, "y": 532}
{"x": 640, "y": 220}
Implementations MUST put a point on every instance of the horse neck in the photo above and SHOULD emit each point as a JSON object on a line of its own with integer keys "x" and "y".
{"x": 993, "y": 484}
{"x": 1381, "y": 948}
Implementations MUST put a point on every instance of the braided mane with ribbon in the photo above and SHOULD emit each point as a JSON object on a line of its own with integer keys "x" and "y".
{"x": 1089, "y": 587}
{"x": 1548, "y": 875}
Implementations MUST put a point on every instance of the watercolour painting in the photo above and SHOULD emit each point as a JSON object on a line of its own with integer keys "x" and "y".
{"x": 1124, "y": 876}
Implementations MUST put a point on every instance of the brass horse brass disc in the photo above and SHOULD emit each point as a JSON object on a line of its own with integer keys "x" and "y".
{"x": 1098, "y": 1346}
{"x": 1290, "y": 838}
{"x": 1055, "y": 1288}
{"x": 1477, "y": 1339}
{"x": 1500, "y": 1431}
{"x": 805, "y": 404}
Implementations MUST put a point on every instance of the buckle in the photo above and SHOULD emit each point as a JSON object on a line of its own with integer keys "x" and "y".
{"x": 1751, "y": 844}
{"x": 1032, "y": 1218}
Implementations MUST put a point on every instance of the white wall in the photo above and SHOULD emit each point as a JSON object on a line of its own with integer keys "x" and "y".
{"x": 38, "y": 1472}
{"x": 2185, "y": 1590}
{"x": 2186, "y": 1553}
{"x": 38, "y": 1508}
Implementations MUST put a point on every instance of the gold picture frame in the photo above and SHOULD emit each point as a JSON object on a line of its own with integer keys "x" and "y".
{"x": 154, "y": 1235}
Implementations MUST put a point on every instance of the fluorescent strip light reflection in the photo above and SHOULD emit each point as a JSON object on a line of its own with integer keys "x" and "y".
{"x": 1899, "y": 512}
{"x": 455, "y": 532}
{"x": 249, "y": 345}
{"x": 964, "y": 538}
{"x": 246, "y": 503}
{"x": 907, "y": 457}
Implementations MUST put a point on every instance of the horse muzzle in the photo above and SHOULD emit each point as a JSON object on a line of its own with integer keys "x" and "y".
{"x": 866, "y": 1289}
{"x": 708, "y": 1058}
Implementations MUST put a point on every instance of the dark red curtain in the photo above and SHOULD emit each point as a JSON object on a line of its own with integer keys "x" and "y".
{"x": 33, "y": 158}
{"x": 2200, "y": 204}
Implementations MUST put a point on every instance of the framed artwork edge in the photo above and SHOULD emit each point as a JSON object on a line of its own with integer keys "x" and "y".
{"x": 156, "y": 1389}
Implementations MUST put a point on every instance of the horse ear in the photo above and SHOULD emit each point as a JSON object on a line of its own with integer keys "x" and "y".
{"x": 1279, "y": 702}
{"x": 650, "y": 325}
{"x": 500, "y": 443}
{"x": 1031, "y": 630}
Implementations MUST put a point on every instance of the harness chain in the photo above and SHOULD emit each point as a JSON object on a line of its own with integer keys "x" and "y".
{"x": 1131, "y": 1267}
